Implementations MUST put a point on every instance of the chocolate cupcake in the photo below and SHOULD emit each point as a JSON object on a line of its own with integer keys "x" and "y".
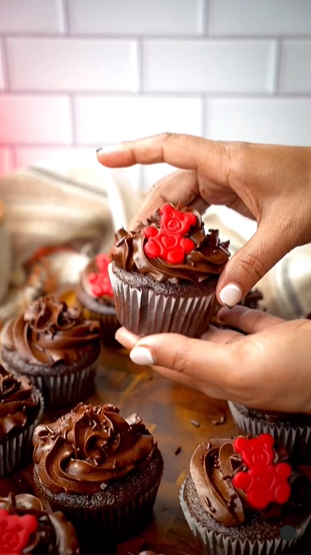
{"x": 56, "y": 348}
{"x": 26, "y": 527}
{"x": 239, "y": 495}
{"x": 95, "y": 294}
{"x": 21, "y": 408}
{"x": 291, "y": 429}
{"x": 164, "y": 273}
{"x": 101, "y": 470}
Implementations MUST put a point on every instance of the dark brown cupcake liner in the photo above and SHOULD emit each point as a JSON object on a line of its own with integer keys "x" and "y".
{"x": 119, "y": 522}
{"x": 65, "y": 389}
{"x": 217, "y": 543}
{"x": 109, "y": 324}
{"x": 144, "y": 312}
{"x": 15, "y": 451}
{"x": 295, "y": 439}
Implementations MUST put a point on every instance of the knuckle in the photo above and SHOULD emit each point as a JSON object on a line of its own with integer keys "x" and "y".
{"x": 180, "y": 359}
{"x": 167, "y": 136}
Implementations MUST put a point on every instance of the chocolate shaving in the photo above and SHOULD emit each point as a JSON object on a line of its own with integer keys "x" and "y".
{"x": 221, "y": 420}
{"x": 177, "y": 451}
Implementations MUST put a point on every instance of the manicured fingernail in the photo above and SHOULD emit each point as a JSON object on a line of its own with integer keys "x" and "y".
{"x": 141, "y": 356}
{"x": 107, "y": 149}
{"x": 231, "y": 294}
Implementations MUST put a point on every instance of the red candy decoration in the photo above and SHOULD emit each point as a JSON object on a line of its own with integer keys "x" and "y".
{"x": 169, "y": 242}
{"x": 257, "y": 450}
{"x": 15, "y": 532}
{"x": 264, "y": 482}
{"x": 100, "y": 282}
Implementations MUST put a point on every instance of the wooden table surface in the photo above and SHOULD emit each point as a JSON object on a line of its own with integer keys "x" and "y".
{"x": 180, "y": 419}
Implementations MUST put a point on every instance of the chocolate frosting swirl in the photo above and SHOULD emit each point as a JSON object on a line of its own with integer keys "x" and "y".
{"x": 54, "y": 536}
{"x": 19, "y": 403}
{"x": 212, "y": 467}
{"x": 206, "y": 260}
{"x": 90, "y": 446}
{"x": 49, "y": 332}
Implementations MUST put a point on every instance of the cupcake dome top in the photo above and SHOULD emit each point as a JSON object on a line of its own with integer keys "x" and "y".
{"x": 50, "y": 332}
{"x": 171, "y": 245}
{"x": 236, "y": 477}
{"x": 89, "y": 447}
{"x": 26, "y": 527}
{"x": 19, "y": 403}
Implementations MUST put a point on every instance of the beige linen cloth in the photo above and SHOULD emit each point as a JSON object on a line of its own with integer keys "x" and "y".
{"x": 74, "y": 200}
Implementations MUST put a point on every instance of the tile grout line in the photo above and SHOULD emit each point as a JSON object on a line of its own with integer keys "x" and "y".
{"x": 278, "y": 68}
{"x": 150, "y": 36}
{"x": 72, "y": 113}
{"x": 203, "y": 115}
{"x": 205, "y": 18}
{"x": 155, "y": 95}
{"x": 5, "y": 67}
{"x": 140, "y": 65}
{"x": 66, "y": 18}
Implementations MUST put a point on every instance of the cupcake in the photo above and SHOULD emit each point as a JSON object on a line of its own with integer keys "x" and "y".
{"x": 101, "y": 470}
{"x": 239, "y": 495}
{"x": 291, "y": 429}
{"x": 164, "y": 273}
{"x": 95, "y": 294}
{"x": 26, "y": 527}
{"x": 56, "y": 348}
{"x": 21, "y": 408}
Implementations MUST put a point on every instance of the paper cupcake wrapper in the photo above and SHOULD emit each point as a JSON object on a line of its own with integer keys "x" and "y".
{"x": 215, "y": 543}
{"x": 15, "y": 451}
{"x": 144, "y": 312}
{"x": 65, "y": 389}
{"x": 118, "y": 522}
{"x": 296, "y": 440}
{"x": 109, "y": 324}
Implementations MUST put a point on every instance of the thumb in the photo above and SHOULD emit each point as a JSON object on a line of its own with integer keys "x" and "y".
{"x": 198, "y": 359}
{"x": 267, "y": 246}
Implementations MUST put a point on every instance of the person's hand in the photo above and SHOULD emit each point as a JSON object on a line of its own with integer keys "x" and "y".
{"x": 269, "y": 183}
{"x": 267, "y": 369}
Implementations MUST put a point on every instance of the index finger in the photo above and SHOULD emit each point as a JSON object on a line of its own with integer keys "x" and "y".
{"x": 182, "y": 151}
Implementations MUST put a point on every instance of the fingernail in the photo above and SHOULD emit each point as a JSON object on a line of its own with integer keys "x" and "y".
{"x": 230, "y": 295}
{"x": 141, "y": 356}
{"x": 107, "y": 149}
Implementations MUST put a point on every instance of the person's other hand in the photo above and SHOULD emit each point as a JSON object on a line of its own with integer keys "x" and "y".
{"x": 269, "y": 183}
{"x": 267, "y": 369}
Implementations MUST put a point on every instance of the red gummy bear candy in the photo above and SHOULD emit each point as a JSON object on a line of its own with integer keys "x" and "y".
{"x": 169, "y": 242}
{"x": 265, "y": 484}
{"x": 100, "y": 282}
{"x": 257, "y": 450}
{"x": 15, "y": 532}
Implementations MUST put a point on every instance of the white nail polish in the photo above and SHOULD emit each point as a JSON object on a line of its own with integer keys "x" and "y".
{"x": 231, "y": 294}
{"x": 141, "y": 356}
{"x": 107, "y": 149}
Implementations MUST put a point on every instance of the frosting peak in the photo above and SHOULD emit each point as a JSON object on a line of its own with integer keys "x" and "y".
{"x": 50, "y": 332}
{"x": 19, "y": 403}
{"x": 88, "y": 447}
{"x": 171, "y": 246}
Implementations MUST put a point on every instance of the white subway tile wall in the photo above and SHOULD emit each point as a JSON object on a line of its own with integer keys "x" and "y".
{"x": 75, "y": 74}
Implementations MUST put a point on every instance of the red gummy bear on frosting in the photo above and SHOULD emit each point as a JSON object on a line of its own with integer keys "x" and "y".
{"x": 169, "y": 242}
{"x": 100, "y": 282}
{"x": 256, "y": 450}
{"x": 15, "y": 532}
{"x": 264, "y": 481}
